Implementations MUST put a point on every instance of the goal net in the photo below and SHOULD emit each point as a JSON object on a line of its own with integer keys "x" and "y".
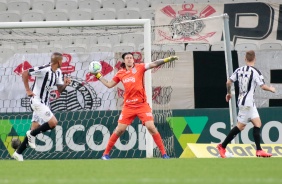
{"x": 87, "y": 111}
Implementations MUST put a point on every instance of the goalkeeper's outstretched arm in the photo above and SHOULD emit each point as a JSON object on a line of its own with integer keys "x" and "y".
{"x": 108, "y": 84}
{"x": 161, "y": 61}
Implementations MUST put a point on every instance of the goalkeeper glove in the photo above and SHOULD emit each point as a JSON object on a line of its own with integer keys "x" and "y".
{"x": 171, "y": 58}
{"x": 98, "y": 75}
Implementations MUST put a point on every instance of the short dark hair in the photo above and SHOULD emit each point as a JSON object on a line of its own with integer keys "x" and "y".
{"x": 250, "y": 55}
{"x": 123, "y": 56}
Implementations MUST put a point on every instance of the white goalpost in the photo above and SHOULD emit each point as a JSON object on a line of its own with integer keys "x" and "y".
{"x": 18, "y": 41}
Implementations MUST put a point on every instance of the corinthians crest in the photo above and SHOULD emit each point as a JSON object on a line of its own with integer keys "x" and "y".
{"x": 176, "y": 25}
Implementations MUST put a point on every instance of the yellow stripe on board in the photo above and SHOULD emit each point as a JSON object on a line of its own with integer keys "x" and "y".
{"x": 237, "y": 150}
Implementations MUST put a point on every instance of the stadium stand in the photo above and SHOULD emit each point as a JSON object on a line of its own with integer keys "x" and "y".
{"x": 43, "y": 5}
{"x": 271, "y": 46}
{"x": 115, "y": 4}
{"x": 219, "y": 46}
{"x": 155, "y": 3}
{"x": 198, "y": 47}
{"x": 105, "y": 13}
{"x": 10, "y": 16}
{"x": 93, "y": 5}
{"x": 246, "y": 46}
{"x": 137, "y": 39}
{"x": 80, "y": 14}
{"x": 57, "y": 15}
{"x": 75, "y": 48}
{"x": 20, "y": 6}
{"x": 128, "y": 13}
{"x": 113, "y": 39}
{"x": 173, "y": 47}
{"x": 33, "y": 15}
{"x": 128, "y": 47}
{"x": 106, "y": 47}
{"x": 68, "y": 5}
{"x": 3, "y": 5}
{"x": 141, "y": 5}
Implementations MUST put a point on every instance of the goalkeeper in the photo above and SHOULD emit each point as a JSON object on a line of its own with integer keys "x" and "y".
{"x": 135, "y": 100}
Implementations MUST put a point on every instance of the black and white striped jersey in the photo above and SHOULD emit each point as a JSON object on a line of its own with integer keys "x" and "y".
{"x": 45, "y": 80}
{"x": 248, "y": 78}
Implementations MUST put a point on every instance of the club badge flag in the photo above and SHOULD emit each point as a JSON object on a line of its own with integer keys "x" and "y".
{"x": 171, "y": 29}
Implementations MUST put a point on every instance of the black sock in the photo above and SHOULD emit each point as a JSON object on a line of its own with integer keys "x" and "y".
{"x": 42, "y": 128}
{"x": 23, "y": 146}
{"x": 256, "y": 134}
{"x": 230, "y": 136}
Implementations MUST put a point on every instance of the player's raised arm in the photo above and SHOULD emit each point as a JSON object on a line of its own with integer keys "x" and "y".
{"x": 161, "y": 61}
{"x": 67, "y": 82}
{"x": 108, "y": 84}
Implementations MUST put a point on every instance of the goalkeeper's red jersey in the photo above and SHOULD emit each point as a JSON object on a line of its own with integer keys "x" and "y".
{"x": 133, "y": 82}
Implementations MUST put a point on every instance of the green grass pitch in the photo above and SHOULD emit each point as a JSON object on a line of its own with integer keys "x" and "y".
{"x": 135, "y": 171}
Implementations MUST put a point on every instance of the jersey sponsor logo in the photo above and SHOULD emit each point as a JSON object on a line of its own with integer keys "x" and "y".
{"x": 130, "y": 101}
{"x": 130, "y": 79}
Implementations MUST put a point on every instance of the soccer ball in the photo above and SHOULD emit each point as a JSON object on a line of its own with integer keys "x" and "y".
{"x": 95, "y": 67}
{"x": 15, "y": 143}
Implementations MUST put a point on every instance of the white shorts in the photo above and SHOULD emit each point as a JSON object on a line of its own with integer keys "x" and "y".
{"x": 41, "y": 110}
{"x": 247, "y": 113}
{"x": 36, "y": 118}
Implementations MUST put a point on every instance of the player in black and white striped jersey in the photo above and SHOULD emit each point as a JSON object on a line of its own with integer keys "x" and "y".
{"x": 46, "y": 77}
{"x": 248, "y": 78}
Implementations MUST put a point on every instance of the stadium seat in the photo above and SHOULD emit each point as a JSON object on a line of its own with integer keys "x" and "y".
{"x": 6, "y": 52}
{"x": 68, "y": 5}
{"x": 183, "y": 1}
{"x": 128, "y": 13}
{"x": 75, "y": 49}
{"x": 155, "y": 3}
{"x": 45, "y": 32}
{"x": 57, "y": 15}
{"x": 104, "y": 14}
{"x": 271, "y": 46}
{"x": 27, "y": 49}
{"x": 51, "y": 48}
{"x": 127, "y": 47}
{"x": 33, "y": 15}
{"x": 112, "y": 39}
{"x": 80, "y": 14}
{"x": 101, "y": 48}
{"x": 154, "y": 47}
{"x": 173, "y": 47}
{"x": 93, "y": 5}
{"x": 135, "y": 38}
{"x": 3, "y": 5}
{"x": 198, "y": 47}
{"x": 20, "y": 6}
{"x": 219, "y": 46}
{"x": 141, "y": 5}
{"x": 206, "y": 1}
{"x": 148, "y": 13}
{"x": 44, "y": 5}
{"x": 10, "y": 16}
{"x": 246, "y": 46}
{"x": 115, "y": 4}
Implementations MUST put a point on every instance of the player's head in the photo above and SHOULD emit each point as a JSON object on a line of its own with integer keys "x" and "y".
{"x": 250, "y": 56}
{"x": 57, "y": 58}
{"x": 127, "y": 60}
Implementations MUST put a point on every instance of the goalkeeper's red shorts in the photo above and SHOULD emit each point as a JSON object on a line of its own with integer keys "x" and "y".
{"x": 128, "y": 113}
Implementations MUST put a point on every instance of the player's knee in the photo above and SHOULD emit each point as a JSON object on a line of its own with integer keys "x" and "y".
{"x": 53, "y": 123}
{"x": 119, "y": 132}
